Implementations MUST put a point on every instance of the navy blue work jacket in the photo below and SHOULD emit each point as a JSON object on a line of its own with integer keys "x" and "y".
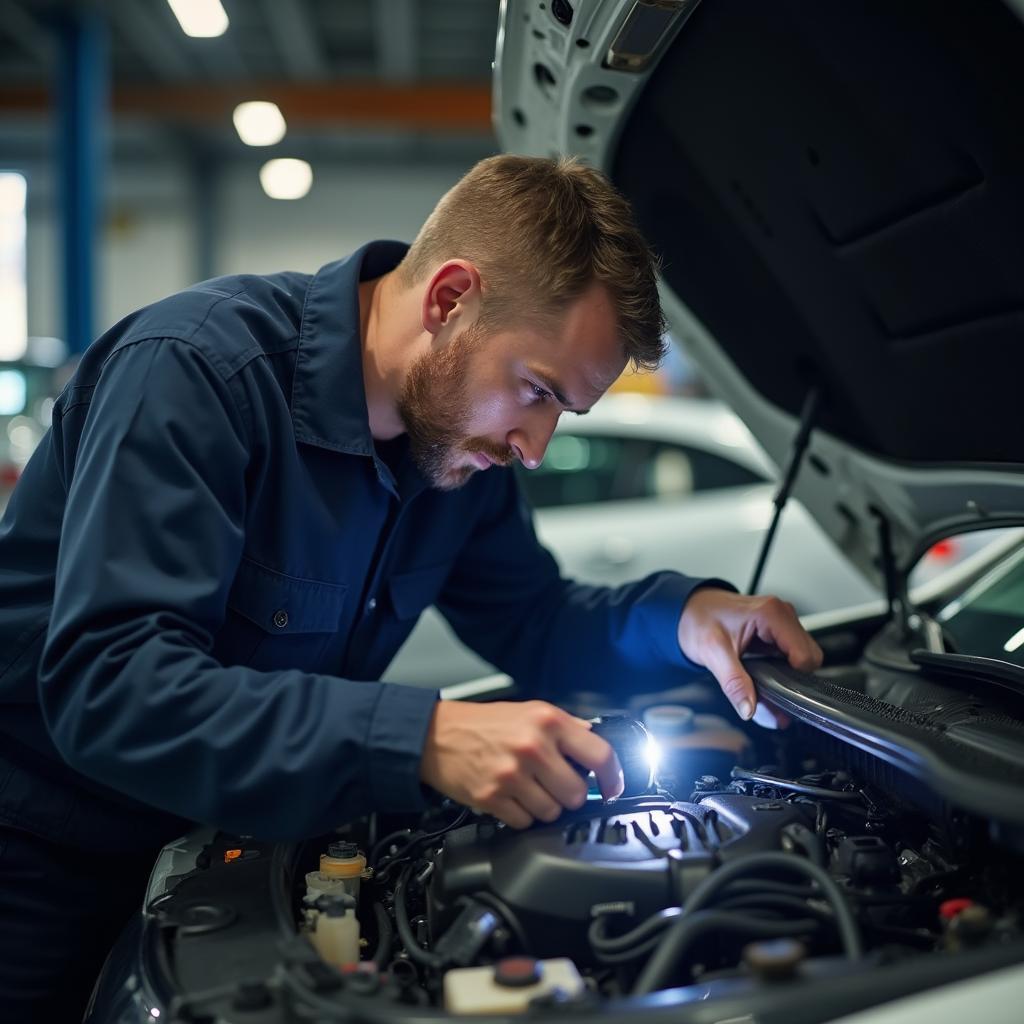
{"x": 207, "y": 566}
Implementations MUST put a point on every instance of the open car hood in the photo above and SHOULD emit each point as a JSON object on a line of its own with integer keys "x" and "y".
{"x": 835, "y": 192}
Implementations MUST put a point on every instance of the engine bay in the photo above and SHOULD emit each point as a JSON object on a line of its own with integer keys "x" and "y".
{"x": 790, "y": 876}
{"x": 765, "y": 876}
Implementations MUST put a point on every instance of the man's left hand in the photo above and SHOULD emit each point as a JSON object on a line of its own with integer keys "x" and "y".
{"x": 717, "y": 626}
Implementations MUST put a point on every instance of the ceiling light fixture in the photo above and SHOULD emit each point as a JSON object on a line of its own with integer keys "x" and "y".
{"x": 13, "y": 293}
{"x": 286, "y": 178}
{"x": 259, "y": 123}
{"x": 202, "y": 19}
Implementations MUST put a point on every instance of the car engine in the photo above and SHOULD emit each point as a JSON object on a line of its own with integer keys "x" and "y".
{"x": 787, "y": 877}
{"x": 765, "y": 875}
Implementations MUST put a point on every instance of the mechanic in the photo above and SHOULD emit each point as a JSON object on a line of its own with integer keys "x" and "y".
{"x": 250, "y": 491}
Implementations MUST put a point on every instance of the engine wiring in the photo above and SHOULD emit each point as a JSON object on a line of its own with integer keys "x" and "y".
{"x": 800, "y": 787}
{"x": 814, "y": 857}
{"x": 733, "y": 900}
{"x": 411, "y": 842}
{"x": 691, "y": 921}
{"x": 412, "y": 947}
{"x": 761, "y": 901}
{"x": 744, "y": 898}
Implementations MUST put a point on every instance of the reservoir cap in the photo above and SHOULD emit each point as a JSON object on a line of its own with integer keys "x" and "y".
{"x": 517, "y": 972}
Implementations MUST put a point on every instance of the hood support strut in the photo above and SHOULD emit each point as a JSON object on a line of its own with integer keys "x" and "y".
{"x": 895, "y": 589}
{"x": 808, "y": 415}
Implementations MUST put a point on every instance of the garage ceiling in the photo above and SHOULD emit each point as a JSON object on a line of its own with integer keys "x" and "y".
{"x": 348, "y": 74}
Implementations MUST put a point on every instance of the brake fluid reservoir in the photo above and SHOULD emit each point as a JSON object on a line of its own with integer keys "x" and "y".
{"x": 341, "y": 869}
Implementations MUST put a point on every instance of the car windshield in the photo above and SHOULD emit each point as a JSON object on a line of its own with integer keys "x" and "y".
{"x": 988, "y": 619}
{"x": 583, "y": 469}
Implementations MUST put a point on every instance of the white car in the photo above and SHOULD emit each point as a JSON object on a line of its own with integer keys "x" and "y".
{"x": 645, "y": 483}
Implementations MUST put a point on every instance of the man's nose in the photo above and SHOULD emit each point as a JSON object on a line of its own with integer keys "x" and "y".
{"x": 530, "y": 442}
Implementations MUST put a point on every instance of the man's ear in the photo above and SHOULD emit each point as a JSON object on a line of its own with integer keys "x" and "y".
{"x": 454, "y": 287}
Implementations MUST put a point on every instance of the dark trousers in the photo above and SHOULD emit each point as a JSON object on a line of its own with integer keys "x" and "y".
{"x": 60, "y": 911}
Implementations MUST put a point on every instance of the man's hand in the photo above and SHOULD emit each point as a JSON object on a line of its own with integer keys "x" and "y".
{"x": 509, "y": 759}
{"x": 717, "y": 626}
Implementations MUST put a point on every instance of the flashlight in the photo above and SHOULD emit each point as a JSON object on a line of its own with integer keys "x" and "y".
{"x": 635, "y": 748}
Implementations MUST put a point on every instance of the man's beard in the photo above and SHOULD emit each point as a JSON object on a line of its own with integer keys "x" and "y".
{"x": 435, "y": 408}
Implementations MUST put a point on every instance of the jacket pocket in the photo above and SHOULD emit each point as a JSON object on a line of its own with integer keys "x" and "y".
{"x": 277, "y": 621}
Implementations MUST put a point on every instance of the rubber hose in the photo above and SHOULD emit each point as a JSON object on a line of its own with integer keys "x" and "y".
{"x": 849, "y": 934}
{"x": 412, "y": 947}
{"x": 617, "y": 943}
{"x": 385, "y": 935}
{"x": 682, "y": 934}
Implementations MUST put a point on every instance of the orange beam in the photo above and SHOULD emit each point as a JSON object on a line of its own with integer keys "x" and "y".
{"x": 433, "y": 107}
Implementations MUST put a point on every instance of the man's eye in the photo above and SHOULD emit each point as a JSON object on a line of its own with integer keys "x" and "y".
{"x": 539, "y": 393}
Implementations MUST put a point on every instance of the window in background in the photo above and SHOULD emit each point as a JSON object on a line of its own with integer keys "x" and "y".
{"x": 580, "y": 470}
{"x": 13, "y": 295}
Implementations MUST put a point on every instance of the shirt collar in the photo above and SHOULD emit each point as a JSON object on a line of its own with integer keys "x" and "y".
{"x": 328, "y": 395}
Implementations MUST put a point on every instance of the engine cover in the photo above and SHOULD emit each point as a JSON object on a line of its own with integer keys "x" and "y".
{"x": 644, "y": 851}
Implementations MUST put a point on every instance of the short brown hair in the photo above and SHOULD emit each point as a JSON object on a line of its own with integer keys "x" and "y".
{"x": 541, "y": 232}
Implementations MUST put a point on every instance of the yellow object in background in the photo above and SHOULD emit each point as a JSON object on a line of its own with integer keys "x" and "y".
{"x": 677, "y": 375}
{"x": 643, "y": 382}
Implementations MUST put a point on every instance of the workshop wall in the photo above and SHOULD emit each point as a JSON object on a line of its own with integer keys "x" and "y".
{"x": 147, "y": 247}
{"x": 345, "y": 209}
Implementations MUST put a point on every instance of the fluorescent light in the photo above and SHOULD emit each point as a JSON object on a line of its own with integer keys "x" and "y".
{"x": 1015, "y": 642}
{"x": 259, "y": 123}
{"x": 286, "y": 178}
{"x": 202, "y": 19}
{"x": 13, "y": 392}
{"x": 12, "y": 194}
{"x": 13, "y": 294}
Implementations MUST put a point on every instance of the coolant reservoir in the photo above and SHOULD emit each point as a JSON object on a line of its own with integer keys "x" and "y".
{"x": 334, "y": 929}
{"x": 509, "y": 985}
{"x": 341, "y": 869}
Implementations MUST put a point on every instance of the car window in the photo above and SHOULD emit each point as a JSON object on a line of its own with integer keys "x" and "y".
{"x": 582, "y": 469}
{"x": 988, "y": 620}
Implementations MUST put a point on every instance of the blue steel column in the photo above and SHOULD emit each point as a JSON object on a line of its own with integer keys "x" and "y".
{"x": 204, "y": 191}
{"x": 82, "y": 100}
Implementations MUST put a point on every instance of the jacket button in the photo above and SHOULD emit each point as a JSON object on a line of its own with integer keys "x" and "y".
{"x": 371, "y": 604}
{"x": 281, "y": 619}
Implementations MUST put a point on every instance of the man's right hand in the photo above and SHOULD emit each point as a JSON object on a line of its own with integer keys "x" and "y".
{"x": 510, "y": 759}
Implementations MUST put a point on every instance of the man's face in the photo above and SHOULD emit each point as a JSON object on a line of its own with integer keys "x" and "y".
{"x": 490, "y": 398}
